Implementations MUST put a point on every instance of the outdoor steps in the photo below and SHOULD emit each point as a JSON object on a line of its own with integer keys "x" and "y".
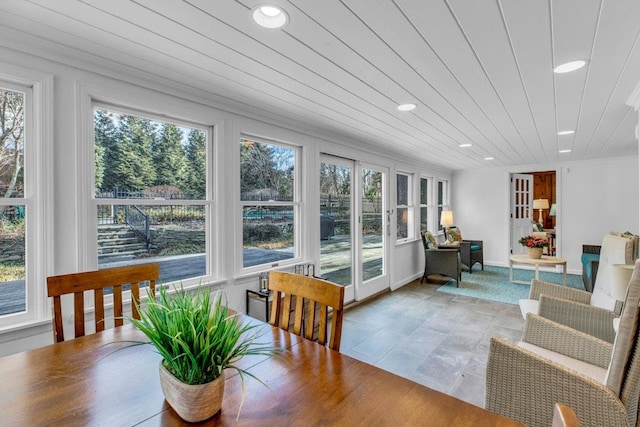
{"x": 116, "y": 241}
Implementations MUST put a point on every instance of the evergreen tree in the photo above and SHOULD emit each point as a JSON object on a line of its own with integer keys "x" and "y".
{"x": 133, "y": 167}
{"x": 105, "y": 149}
{"x": 256, "y": 167}
{"x": 169, "y": 157}
{"x": 195, "y": 184}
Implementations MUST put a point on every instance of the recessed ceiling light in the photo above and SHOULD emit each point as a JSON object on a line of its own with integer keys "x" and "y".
{"x": 406, "y": 107}
{"x": 465, "y": 145}
{"x": 566, "y": 132}
{"x": 488, "y": 158}
{"x": 568, "y": 67}
{"x": 564, "y": 151}
{"x": 270, "y": 16}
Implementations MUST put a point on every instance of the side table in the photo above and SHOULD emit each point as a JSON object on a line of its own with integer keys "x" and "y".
{"x": 537, "y": 262}
{"x": 261, "y": 294}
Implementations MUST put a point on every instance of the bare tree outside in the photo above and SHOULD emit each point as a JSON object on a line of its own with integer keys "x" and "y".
{"x": 11, "y": 143}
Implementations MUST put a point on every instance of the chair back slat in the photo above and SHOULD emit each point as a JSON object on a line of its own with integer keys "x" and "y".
{"x": 78, "y": 308}
{"x": 96, "y": 281}
{"x": 57, "y": 317}
{"x": 98, "y": 303}
{"x": 314, "y": 298}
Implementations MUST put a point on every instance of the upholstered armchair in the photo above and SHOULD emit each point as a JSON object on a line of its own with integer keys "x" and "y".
{"x": 555, "y": 363}
{"x": 592, "y": 313}
{"x": 445, "y": 262}
{"x": 470, "y": 250}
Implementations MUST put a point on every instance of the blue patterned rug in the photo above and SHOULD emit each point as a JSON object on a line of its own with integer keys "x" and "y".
{"x": 493, "y": 283}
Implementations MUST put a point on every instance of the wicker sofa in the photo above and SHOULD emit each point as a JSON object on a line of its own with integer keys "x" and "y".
{"x": 555, "y": 363}
{"x": 585, "y": 311}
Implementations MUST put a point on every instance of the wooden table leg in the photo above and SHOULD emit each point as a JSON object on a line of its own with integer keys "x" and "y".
{"x": 510, "y": 271}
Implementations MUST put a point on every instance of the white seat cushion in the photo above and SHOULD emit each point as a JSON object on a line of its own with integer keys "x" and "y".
{"x": 528, "y": 306}
{"x": 592, "y": 371}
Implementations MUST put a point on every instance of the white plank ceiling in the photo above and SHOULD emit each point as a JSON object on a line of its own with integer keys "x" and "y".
{"x": 480, "y": 71}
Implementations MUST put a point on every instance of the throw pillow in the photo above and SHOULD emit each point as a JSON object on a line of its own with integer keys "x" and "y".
{"x": 454, "y": 234}
{"x": 431, "y": 240}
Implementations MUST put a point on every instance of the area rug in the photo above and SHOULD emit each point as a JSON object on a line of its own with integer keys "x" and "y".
{"x": 493, "y": 284}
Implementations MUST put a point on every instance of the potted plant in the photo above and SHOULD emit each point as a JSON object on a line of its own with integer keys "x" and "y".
{"x": 197, "y": 340}
{"x": 534, "y": 244}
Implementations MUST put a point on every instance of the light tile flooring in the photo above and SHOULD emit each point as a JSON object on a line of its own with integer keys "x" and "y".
{"x": 433, "y": 338}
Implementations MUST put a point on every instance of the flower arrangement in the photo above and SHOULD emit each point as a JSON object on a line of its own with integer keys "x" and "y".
{"x": 534, "y": 242}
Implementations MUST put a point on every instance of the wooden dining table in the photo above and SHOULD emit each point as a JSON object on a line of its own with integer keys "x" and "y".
{"x": 83, "y": 382}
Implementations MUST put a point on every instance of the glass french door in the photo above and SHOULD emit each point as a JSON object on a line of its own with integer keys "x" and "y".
{"x": 373, "y": 230}
{"x": 336, "y": 222}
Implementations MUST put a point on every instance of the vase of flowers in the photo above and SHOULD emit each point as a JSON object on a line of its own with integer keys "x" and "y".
{"x": 535, "y": 245}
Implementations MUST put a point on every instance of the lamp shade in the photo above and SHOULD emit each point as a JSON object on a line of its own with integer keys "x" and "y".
{"x": 446, "y": 218}
{"x": 552, "y": 211}
{"x": 541, "y": 204}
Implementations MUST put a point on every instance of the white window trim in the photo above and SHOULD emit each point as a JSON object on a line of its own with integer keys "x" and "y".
{"x": 207, "y": 202}
{"x": 429, "y": 205}
{"x": 445, "y": 201}
{"x": 410, "y": 207}
{"x": 296, "y": 204}
{"x": 38, "y": 195}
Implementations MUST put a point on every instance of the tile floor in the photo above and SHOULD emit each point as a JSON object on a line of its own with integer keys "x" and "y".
{"x": 436, "y": 339}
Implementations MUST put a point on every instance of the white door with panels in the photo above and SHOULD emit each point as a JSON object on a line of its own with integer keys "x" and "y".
{"x": 521, "y": 209}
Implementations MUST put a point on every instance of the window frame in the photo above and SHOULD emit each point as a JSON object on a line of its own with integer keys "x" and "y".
{"x": 296, "y": 205}
{"x": 442, "y": 201}
{"x": 37, "y": 196}
{"x": 208, "y": 201}
{"x": 409, "y": 207}
{"x": 428, "y": 205}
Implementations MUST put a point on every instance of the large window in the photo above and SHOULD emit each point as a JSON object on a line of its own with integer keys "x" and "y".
{"x": 150, "y": 186}
{"x": 13, "y": 203}
{"x": 404, "y": 206}
{"x": 443, "y": 200}
{"x": 426, "y": 217}
{"x": 269, "y": 201}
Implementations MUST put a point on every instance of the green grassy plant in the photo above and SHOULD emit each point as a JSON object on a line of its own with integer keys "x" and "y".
{"x": 197, "y": 339}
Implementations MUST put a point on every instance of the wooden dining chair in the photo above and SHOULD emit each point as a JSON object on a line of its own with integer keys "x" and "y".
{"x": 78, "y": 283}
{"x": 564, "y": 416}
{"x": 309, "y": 299}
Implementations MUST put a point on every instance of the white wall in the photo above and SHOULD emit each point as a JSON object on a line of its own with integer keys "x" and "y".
{"x": 594, "y": 197}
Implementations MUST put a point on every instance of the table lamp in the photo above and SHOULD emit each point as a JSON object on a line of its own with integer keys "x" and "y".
{"x": 540, "y": 204}
{"x": 446, "y": 219}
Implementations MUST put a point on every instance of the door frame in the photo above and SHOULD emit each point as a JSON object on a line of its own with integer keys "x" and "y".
{"x": 559, "y": 217}
{"x": 365, "y": 289}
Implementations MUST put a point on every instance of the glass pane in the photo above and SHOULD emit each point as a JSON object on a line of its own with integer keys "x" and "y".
{"x": 440, "y": 192}
{"x": 424, "y": 219}
{"x": 372, "y": 224}
{"x": 335, "y": 223}
{"x": 403, "y": 189}
{"x": 12, "y": 259}
{"x": 173, "y": 236}
{"x": 424, "y": 192}
{"x": 11, "y": 144}
{"x": 267, "y": 234}
{"x": 139, "y": 158}
{"x": 266, "y": 172}
{"x": 403, "y": 220}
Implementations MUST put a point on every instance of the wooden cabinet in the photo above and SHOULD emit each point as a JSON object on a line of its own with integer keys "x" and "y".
{"x": 544, "y": 187}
